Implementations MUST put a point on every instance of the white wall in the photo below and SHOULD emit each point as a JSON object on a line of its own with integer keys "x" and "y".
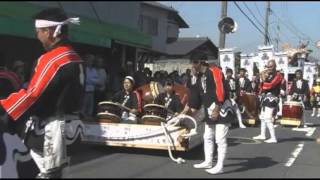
{"x": 170, "y": 65}
{"x": 159, "y": 42}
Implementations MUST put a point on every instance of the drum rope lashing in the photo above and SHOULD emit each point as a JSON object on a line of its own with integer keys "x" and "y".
{"x": 174, "y": 121}
{"x": 178, "y": 160}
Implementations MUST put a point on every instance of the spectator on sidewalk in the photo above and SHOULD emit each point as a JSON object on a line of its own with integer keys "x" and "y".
{"x": 90, "y": 85}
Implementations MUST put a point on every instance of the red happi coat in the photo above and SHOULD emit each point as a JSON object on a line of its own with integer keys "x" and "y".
{"x": 46, "y": 70}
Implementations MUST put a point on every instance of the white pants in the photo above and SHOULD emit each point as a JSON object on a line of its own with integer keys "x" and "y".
{"x": 54, "y": 148}
{"x": 236, "y": 110}
{"x": 279, "y": 113}
{"x": 266, "y": 121}
{"x": 217, "y": 132}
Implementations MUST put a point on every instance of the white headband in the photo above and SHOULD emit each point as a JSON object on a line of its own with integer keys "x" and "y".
{"x": 40, "y": 23}
{"x": 130, "y": 78}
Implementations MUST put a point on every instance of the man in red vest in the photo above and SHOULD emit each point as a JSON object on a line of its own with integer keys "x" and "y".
{"x": 53, "y": 94}
{"x": 269, "y": 91}
{"x": 213, "y": 95}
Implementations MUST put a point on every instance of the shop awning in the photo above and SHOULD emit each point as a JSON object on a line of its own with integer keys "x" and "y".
{"x": 20, "y": 28}
{"x": 16, "y": 19}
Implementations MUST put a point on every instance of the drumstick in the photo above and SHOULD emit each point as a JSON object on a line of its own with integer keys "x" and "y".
{"x": 123, "y": 107}
{"x": 169, "y": 111}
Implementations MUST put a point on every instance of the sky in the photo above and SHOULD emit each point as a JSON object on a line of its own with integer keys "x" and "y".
{"x": 297, "y": 21}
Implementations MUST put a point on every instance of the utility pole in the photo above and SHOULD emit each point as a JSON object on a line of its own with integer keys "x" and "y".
{"x": 266, "y": 39}
{"x": 222, "y": 40}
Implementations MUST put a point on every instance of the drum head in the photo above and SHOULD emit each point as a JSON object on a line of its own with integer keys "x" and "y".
{"x": 108, "y": 103}
{"x": 147, "y": 106}
{"x": 292, "y": 103}
{"x": 108, "y": 117}
{"x": 152, "y": 120}
{"x": 110, "y": 107}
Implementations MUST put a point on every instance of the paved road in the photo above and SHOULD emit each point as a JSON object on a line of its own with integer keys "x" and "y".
{"x": 295, "y": 155}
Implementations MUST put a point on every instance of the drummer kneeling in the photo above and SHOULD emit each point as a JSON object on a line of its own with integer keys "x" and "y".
{"x": 129, "y": 100}
{"x": 169, "y": 99}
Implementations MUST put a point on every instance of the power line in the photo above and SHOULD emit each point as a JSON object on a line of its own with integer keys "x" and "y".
{"x": 289, "y": 28}
{"x": 248, "y": 18}
{"x": 277, "y": 39}
{"x": 285, "y": 35}
{"x": 295, "y": 30}
{"x": 258, "y": 10}
{"x": 294, "y": 27}
{"x": 252, "y": 14}
{"x": 279, "y": 33}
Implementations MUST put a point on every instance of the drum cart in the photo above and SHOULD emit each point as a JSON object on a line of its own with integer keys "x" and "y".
{"x": 140, "y": 135}
{"x": 168, "y": 136}
{"x": 152, "y": 131}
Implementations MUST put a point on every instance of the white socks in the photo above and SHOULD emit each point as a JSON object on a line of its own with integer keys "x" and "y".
{"x": 273, "y": 138}
{"x": 219, "y": 133}
{"x": 208, "y": 143}
{"x": 241, "y": 125}
{"x": 313, "y": 112}
{"x": 218, "y": 168}
{"x": 262, "y": 135}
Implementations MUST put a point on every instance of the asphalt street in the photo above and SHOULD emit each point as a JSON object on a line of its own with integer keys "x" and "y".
{"x": 296, "y": 155}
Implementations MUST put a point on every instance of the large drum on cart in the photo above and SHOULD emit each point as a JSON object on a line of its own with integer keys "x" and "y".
{"x": 109, "y": 112}
{"x": 292, "y": 113}
{"x": 250, "y": 110}
{"x": 150, "y": 91}
{"x": 154, "y": 114}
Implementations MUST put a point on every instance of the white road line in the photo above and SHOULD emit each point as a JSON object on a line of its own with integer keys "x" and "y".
{"x": 294, "y": 154}
{"x": 311, "y": 131}
{"x": 301, "y": 129}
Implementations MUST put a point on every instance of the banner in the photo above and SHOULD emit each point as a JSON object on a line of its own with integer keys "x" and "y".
{"x": 265, "y": 54}
{"x": 309, "y": 72}
{"x": 247, "y": 63}
{"x": 281, "y": 59}
{"x": 227, "y": 60}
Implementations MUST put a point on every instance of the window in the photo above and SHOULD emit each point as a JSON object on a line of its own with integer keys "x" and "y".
{"x": 148, "y": 25}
